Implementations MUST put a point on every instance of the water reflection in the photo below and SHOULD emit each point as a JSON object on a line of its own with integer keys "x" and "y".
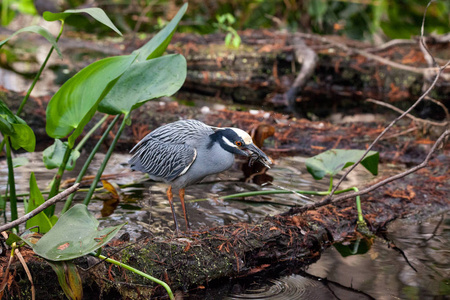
{"x": 300, "y": 286}
{"x": 381, "y": 273}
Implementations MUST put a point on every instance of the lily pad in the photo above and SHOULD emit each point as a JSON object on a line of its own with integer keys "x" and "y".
{"x": 75, "y": 234}
{"x": 332, "y": 161}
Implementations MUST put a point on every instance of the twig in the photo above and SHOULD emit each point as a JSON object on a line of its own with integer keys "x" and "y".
{"x": 385, "y": 61}
{"x": 390, "y": 44}
{"x": 439, "y": 103}
{"x": 43, "y": 206}
{"x": 415, "y": 119}
{"x": 328, "y": 200}
{"x": 25, "y": 267}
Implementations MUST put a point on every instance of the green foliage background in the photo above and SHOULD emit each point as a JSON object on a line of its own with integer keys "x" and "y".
{"x": 357, "y": 19}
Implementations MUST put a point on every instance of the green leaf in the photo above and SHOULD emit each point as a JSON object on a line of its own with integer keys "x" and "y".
{"x": 5, "y": 125}
{"x": 35, "y": 201}
{"x": 332, "y": 161}
{"x": 36, "y": 29}
{"x": 22, "y": 136}
{"x": 68, "y": 278}
{"x": 13, "y": 238}
{"x": 236, "y": 41}
{"x": 75, "y": 234}
{"x": 158, "y": 44}
{"x": 20, "y": 161}
{"x": 228, "y": 38}
{"x": 2, "y": 204}
{"x": 143, "y": 81}
{"x": 95, "y": 12}
{"x": 76, "y": 101}
{"x": 54, "y": 154}
{"x": 28, "y": 237}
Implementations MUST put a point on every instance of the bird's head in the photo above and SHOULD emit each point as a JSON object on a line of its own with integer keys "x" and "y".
{"x": 238, "y": 141}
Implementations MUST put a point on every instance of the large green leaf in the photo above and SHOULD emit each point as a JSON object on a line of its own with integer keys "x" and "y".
{"x": 95, "y": 12}
{"x": 158, "y": 44}
{"x": 332, "y": 161}
{"x": 76, "y": 101}
{"x": 54, "y": 155}
{"x": 75, "y": 234}
{"x": 36, "y": 200}
{"x": 143, "y": 81}
{"x": 36, "y": 29}
{"x": 22, "y": 136}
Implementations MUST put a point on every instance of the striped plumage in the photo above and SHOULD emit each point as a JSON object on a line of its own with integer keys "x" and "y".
{"x": 185, "y": 152}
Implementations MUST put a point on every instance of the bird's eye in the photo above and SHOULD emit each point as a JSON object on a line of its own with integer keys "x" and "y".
{"x": 238, "y": 143}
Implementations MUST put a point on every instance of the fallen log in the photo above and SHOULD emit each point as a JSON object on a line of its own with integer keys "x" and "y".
{"x": 264, "y": 69}
{"x": 204, "y": 257}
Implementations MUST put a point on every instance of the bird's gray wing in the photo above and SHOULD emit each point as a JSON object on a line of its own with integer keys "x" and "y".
{"x": 163, "y": 160}
{"x": 179, "y": 132}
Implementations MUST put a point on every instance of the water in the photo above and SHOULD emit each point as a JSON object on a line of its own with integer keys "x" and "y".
{"x": 381, "y": 273}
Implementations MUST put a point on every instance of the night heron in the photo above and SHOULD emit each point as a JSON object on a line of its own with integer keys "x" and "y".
{"x": 184, "y": 152}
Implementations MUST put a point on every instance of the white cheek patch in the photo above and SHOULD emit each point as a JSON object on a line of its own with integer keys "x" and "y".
{"x": 244, "y": 136}
{"x": 228, "y": 142}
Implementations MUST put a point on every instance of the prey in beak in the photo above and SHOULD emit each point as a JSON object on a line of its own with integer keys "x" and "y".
{"x": 256, "y": 154}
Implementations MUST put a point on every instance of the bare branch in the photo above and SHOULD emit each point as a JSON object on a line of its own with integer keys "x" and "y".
{"x": 424, "y": 71}
{"x": 415, "y": 119}
{"x": 439, "y": 103}
{"x": 43, "y": 206}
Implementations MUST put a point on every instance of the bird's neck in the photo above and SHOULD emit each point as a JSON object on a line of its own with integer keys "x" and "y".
{"x": 217, "y": 138}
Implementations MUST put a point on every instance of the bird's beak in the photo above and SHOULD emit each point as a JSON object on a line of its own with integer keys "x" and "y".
{"x": 259, "y": 155}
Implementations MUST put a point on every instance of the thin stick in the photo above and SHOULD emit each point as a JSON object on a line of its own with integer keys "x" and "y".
{"x": 415, "y": 119}
{"x": 43, "y": 206}
{"x": 25, "y": 267}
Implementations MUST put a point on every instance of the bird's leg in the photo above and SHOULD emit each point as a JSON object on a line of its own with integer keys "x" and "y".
{"x": 181, "y": 193}
{"x": 170, "y": 197}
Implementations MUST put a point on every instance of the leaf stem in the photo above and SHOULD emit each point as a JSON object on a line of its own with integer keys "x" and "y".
{"x": 57, "y": 181}
{"x": 331, "y": 185}
{"x": 90, "y": 132}
{"x": 129, "y": 268}
{"x": 89, "y": 160}
{"x": 11, "y": 182}
{"x": 273, "y": 192}
{"x": 36, "y": 78}
{"x": 88, "y": 197}
{"x": 358, "y": 206}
